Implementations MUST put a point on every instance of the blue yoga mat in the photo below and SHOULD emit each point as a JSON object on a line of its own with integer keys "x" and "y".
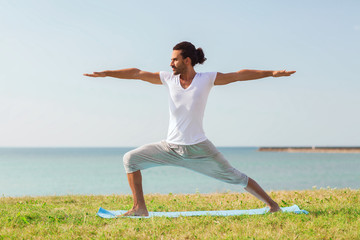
{"x": 103, "y": 213}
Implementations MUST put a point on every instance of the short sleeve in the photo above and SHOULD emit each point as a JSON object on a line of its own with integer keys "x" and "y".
{"x": 212, "y": 77}
{"x": 165, "y": 77}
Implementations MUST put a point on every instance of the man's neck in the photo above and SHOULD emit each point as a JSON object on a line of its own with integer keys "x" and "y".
{"x": 188, "y": 75}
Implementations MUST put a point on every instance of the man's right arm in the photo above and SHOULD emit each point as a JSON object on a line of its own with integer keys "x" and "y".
{"x": 129, "y": 73}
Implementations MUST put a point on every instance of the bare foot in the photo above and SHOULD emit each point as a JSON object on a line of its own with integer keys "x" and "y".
{"x": 274, "y": 208}
{"x": 135, "y": 212}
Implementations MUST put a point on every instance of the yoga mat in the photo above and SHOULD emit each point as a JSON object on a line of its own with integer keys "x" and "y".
{"x": 103, "y": 213}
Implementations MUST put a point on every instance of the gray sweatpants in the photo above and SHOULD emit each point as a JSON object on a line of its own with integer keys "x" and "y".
{"x": 202, "y": 157}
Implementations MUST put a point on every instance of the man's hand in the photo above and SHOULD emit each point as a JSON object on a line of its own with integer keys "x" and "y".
{"x": 283, "y": 73}
{"x": 96, "y": 74}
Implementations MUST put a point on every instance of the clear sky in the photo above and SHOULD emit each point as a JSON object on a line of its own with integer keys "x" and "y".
{"x": 46, "y": 46}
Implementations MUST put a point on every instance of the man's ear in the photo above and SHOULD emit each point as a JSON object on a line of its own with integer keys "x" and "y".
{"x": 187, "y": 61}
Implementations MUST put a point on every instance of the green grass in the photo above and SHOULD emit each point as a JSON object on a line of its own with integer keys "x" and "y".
{"x": 334, "y": 214}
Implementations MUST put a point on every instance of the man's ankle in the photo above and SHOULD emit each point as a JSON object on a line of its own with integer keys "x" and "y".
{"x": 139, "y": 207}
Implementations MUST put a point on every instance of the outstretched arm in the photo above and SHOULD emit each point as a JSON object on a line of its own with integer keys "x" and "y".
{"x": 244, "y": 75}
{"x": 130, "y": 73}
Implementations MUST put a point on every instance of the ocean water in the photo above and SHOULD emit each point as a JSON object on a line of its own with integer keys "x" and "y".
{"x": 62, "y": 171}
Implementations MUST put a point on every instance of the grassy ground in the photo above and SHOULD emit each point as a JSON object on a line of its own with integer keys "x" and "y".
{"x": 334, "y": 214}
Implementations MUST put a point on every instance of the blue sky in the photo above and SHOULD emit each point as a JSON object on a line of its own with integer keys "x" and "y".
{"x": 46, "y": 46}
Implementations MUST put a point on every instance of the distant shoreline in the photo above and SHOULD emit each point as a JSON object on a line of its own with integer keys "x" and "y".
{"x": 311, "y": 149}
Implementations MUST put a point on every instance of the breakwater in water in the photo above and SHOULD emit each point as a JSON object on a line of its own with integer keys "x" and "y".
{"x": 312, "y": 149}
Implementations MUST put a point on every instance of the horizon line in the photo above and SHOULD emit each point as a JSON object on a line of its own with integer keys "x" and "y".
{"x": 218, "y": 146}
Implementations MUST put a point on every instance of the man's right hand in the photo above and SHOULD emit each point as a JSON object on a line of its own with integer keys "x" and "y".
{"x": 95, "y": 74}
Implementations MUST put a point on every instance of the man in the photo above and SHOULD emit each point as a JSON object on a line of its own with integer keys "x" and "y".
{"x": 186, "y": 144}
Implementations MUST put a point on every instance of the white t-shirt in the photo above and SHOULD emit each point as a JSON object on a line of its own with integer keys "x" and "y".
{"x": 187, "y": 107}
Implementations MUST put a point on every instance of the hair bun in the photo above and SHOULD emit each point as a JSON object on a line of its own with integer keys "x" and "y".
{"x": 200, "y": 56}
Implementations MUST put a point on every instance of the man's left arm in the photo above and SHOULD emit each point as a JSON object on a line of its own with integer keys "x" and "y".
{"x": 247, "y": 74}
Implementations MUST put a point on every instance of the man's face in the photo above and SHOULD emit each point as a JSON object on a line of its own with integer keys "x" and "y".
{"x": 177, "y": 62}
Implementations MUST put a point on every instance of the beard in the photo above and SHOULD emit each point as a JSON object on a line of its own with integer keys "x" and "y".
{"x": 178, "y": 70}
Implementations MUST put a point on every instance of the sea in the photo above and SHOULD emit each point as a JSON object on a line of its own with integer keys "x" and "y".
{"x": 94, "y": 171}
